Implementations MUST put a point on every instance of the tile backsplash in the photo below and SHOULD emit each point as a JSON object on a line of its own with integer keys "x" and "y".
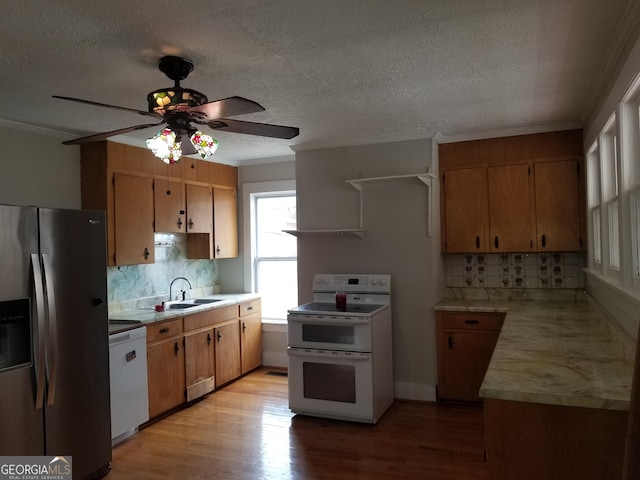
{"x": 135, "y": 282}
{"x": 515, "y": 270}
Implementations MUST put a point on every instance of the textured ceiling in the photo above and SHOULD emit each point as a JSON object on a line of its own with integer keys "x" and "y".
{"x": 344, "y": 71}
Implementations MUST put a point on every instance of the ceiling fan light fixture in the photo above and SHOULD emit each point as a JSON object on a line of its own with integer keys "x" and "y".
{"x": 165, "y": 147}
{"x": 177, "y": 98}
{"x": 204, "y": 144}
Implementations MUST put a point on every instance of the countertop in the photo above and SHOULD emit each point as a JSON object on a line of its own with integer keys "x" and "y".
{"x": 560, "y": 352}
{"x": 147, "y": 315}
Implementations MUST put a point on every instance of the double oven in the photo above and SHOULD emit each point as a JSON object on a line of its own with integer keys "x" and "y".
{"x": 340, "y": 353}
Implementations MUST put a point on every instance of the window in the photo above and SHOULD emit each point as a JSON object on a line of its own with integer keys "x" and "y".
{"x": 635, "y": 231}
{"x": 271, "y": 263}
{"x": 609, "y": 177}
{"x": 593, "y": 172}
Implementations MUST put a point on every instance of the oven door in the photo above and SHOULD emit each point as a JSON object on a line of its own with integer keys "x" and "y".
{"x": 351, "y": 334}
{"x": 331, "y": 384}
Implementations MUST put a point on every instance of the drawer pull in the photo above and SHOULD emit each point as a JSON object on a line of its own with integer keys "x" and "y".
{"x": 164, "y": 330}
{"x": 471, "y": 322}
{"x": 249, "y": 308}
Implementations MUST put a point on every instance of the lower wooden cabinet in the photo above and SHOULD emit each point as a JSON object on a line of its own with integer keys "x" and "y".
{"x": 532, "y": 441}
{"x": 199, "y": 363}
{"x": 465, "y": 343}
{"x": 251, "y": 335}
{"x": 227, "y": 352}
{"x": 165, "y": 366}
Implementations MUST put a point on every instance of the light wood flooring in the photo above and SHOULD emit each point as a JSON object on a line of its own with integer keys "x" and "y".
{"x": 246, "y": 431}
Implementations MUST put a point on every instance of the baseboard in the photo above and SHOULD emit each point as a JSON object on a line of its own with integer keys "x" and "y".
{"x": 275, "y": 359}
{"x": 414, "y": 391}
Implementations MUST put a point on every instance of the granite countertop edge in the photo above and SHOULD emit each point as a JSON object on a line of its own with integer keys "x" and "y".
{"x": 145, "y": 317}
{"x": 554, "y": 351}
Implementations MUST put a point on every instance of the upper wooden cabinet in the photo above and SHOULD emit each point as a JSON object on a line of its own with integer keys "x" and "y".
{"x": 199, "y": 209}
{"x": 464, "y": 210}
{"x": 225, "y": 223}
{"x": 169, "y": 204}
{"x": 557, "y": 209}
{"x": 509, "y": 209}
{"x": 512, "y": 194}
{"x": 167, "y": 201}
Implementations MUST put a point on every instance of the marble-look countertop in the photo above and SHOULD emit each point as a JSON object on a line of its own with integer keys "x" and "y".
{"x": 134, "y": 318}
{"x": 559, "y": 351}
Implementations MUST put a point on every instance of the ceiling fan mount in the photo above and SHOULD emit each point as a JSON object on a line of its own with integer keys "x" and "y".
{"x": 178, "y": 107}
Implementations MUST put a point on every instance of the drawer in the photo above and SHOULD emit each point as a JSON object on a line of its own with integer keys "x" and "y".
{"x": 158, "y": 331}
{"x": 198, "y": 320}
{"x": 223, "y": 314}
{"x": 247, "y": 308}
{"x": 472, "y": 321}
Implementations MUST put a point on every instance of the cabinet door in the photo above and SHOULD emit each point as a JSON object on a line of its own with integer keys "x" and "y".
{"x": 169, "y": 203}
{"x": 466, "y": 358}
{"x": 464, "y": 210}
{"x": 199, "y": 209}
{"x": 227, "y": 352}
{"x": 199, "y": 363}
{"x": 133, "y": 219}
{"x": 509, "y": 209}
{"x": 251, "y": 346}
{"x": 225, "y": 223}
{"x": 165, "y": 364}
{"x": 557, "y": 217}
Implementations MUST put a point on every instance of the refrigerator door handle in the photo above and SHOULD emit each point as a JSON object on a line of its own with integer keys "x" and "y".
{"x": 53, "y": 329}
{"x": 40, "y": 317}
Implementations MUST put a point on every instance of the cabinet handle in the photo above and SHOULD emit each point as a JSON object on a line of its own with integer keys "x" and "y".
{"x": 450, "y": 342}
{"x": 477, "y": 242}
{"x": 190, "y": 224}
{"x": 544, "y": 240}
{"x": 179, "y": 223}
{"x": 146, "y": 253}
{"x": 219, "y": 336}
{"x": 208, "y": 339}
{"x": 471, "y": 322}
{"x": 244, "y": 327}
{"x": 495, "y": 241}
{"x": 164, "y": 330}
{"x": 217, "y": 249}
{"x": 176, "y": 348}
{"x": 249, "y": 308}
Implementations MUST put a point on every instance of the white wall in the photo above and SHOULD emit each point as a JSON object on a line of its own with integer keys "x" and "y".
{"x": 395, "y": 242}
{"x": 38, "y": 170}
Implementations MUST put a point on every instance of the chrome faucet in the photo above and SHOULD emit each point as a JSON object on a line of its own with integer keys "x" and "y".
{"x": 183, "y": 292}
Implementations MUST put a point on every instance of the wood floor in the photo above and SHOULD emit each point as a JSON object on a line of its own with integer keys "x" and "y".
{"x": 245, "y": 431}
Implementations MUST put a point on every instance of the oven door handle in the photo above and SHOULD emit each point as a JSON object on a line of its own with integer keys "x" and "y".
{"x": 320, "y": 320}
{"x": 360, "y": 356}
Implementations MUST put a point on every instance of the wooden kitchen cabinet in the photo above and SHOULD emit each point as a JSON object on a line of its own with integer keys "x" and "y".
{"x": 225, "y": 223}
{"x": 464, "y": 215}
{"x": 133, "y": 220}
{"x": 227, "y": 351}
{"x": 169, "y": 205}
{"x": 199, "y": 363}
{"x": 509, "y": 208}
{"x": 199, "y": 209}
{"x": 165, "y": 366}
{"x": 465, "y": 343}
{"x": 532, "y": 441}
{"x": 557, "y": 206}
{"x": 251, "y": 335}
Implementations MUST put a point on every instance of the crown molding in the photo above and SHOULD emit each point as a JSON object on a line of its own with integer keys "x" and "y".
{"x": 49, "y": 132}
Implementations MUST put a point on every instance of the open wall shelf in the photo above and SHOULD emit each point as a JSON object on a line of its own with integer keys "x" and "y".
{"x": 425, "y": 178}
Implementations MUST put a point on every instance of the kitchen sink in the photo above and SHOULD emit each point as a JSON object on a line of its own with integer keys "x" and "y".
{"x": 191, "y": 303}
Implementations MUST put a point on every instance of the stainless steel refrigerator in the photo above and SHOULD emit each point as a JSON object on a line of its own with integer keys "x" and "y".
{"x": 54, "y": 354}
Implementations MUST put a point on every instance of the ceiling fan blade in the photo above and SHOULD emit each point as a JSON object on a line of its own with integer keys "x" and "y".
{"x": 253, "y": 128}
{"x": 105, "y": 135}
{"x": 89, "y": 102}
{"x": 226, "y": 107}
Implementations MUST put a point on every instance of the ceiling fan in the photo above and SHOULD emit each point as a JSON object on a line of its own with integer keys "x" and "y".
{"x": 178, "y": 107}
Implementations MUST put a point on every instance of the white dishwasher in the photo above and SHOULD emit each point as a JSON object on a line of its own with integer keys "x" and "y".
{"x": 129, "y": 388}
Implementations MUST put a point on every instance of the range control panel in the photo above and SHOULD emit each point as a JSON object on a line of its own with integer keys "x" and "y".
{"x": 363, "y": 283}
